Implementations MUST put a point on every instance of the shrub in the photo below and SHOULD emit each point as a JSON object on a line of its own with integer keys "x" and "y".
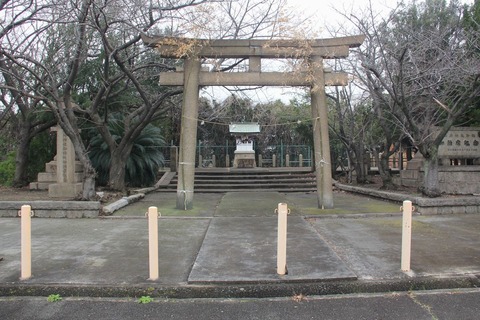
{"x": 143, "y": 162}
{"x": 7, "y": 170}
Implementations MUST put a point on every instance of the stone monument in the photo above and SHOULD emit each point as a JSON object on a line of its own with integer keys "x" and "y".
{"x": 459, "y": 163}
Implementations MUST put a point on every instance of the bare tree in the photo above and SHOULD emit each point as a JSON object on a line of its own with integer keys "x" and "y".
{"x": 21, "y": 108}
{"x": 64, "y": 41}
{"x": 362, "y": 115}
{"x": 351, "y": 119}
{"x": 386, "y": 134}
{"x": 423, "y": 72}
{"x": 99, "y": 42}
{"x": 133, "y": 63}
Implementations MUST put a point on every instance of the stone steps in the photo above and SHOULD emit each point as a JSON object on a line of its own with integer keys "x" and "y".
{"x": 280, "y": 180}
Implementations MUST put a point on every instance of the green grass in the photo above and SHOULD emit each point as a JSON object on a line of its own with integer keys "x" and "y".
{"x": 54, "y": 298}
{"x": 145, "y": 300}
{"x": 257, "y": 204}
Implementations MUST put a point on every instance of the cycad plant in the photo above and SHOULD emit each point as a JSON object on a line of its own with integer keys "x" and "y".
{"x": 144, "y": 160}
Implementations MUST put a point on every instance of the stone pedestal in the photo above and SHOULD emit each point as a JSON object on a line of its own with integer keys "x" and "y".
{"x": 411, "y": 176}
{"x": 244, "y": 159}
{"x": 63, "y": 176}
{"x": 65, "y": 190}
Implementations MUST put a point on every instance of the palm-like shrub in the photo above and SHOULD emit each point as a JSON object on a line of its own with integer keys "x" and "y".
{"x": 144, "y": 160}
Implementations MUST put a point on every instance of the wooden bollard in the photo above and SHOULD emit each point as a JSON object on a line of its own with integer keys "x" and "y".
{"x": 406, "y": 235}
{"x": 26, "y": 242}
{"x": 153, "y": 242}
{"x": 282, "y": 211}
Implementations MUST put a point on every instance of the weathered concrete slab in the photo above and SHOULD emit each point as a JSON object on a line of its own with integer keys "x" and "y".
{"x": 441, "y": 245}
{"x": 244, "y": 250}
{"x": 100, "y": 251}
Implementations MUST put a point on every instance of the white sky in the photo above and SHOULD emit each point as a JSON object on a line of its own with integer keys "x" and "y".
{"x": 326, "y": 14}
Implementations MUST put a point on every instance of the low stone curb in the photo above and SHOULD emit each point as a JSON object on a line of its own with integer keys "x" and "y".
{"x": 52, "y": 209}
{"x": 125, "y": 201}
{"x": 448, "y": 205}
{"x": 397, "y": 197}
{"x": 257, "y": 290}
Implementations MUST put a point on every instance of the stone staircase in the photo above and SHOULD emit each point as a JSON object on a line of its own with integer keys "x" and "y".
{"x": 216, "y": 180}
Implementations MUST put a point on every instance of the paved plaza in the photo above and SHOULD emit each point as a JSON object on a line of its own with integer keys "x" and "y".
{"x": 230, "y": 240}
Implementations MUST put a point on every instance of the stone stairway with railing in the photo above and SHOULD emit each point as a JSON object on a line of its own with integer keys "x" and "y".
{"x": 248, "y": 180}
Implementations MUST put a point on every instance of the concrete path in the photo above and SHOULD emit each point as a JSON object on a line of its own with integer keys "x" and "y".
{"x": 230, "y": 239}
{"x": 243, "y": 249}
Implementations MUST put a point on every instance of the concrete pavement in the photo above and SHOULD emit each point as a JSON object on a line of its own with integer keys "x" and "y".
{"x": 412, "y": 305}
{"x": 226, "y": 247}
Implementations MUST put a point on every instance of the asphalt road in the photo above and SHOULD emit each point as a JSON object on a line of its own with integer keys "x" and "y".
{"x": 441, "y": 304}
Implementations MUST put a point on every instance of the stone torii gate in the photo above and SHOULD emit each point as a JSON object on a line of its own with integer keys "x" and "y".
{"x": 314, "y": 76}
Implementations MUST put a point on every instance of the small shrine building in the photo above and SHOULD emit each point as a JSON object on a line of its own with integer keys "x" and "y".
{"x": 244, "y": 136}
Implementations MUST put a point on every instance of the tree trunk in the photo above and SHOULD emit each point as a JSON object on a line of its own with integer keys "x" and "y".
{"x": 117, "y": 172}
{"x": 360, "y": 165}
{"x": 21, "y": 157}
{"x": 349, "y": 166}
{"x": 385, "y": 174}
{"x": 89, "y": 175}
{"x": 430, "y": 179}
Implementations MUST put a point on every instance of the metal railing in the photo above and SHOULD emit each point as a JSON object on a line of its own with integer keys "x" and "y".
{"x": 272, "y": 156}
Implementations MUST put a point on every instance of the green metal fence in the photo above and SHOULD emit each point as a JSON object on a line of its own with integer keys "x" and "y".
{"x": 281, "y": 155}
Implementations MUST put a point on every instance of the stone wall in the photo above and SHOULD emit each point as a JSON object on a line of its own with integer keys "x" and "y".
{"x": 455, "y": 180}
{"x": 461, "y": 145}
{"x": 445, "y": 205}
{"x": 459, "y": 179}
{"x": 53, "y": 209}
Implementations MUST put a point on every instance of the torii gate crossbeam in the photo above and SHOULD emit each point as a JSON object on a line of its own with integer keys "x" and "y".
{"x": 191, "y": 77}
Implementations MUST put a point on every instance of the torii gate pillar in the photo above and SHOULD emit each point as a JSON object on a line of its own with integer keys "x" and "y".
{"x": 188, "y": 134}
{"x": 321, "y": 144}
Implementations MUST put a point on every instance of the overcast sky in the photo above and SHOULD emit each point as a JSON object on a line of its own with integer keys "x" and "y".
{"x": 326, "y": 12}
{"x": 326, "y": 9}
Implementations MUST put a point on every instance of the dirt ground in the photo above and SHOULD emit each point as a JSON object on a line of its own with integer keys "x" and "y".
{"x": 375, "y": 182}
{"x": 14, "y": 194}
{"x": 19, "y": 194}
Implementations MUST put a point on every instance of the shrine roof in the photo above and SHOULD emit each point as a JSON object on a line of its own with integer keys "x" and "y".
{"x": 244, "y": 127}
